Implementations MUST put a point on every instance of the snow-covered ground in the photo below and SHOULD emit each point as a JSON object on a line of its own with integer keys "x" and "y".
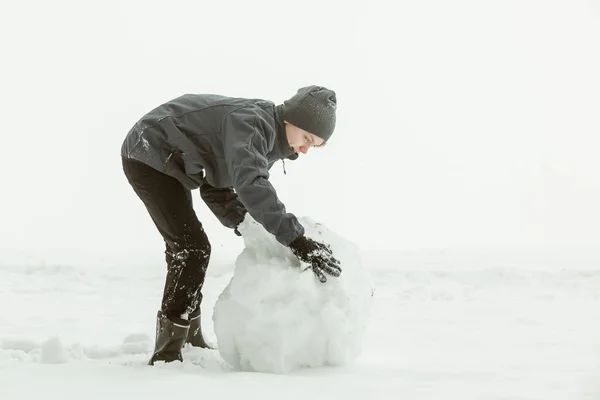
{"x": 444, "y": 325}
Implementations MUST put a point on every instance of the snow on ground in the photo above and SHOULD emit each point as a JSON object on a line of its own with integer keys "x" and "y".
{"x": 443, "y": 326}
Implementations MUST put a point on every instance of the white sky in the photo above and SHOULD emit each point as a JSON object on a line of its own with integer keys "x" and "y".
{"x": 463, "y": 124}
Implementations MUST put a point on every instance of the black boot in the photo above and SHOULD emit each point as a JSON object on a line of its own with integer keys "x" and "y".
{"x": 170, "y": 338}
{"x": 194, "y": 336}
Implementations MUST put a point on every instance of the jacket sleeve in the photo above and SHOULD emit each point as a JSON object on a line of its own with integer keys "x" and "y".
{"x": 245, "y": 136}
{"x": 224, "y": 204}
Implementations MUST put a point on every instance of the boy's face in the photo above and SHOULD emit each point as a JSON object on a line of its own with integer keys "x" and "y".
{"x": 300, "y": 140}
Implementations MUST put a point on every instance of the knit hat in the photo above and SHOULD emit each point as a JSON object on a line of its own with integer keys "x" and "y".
{"x": 312, "y": 109}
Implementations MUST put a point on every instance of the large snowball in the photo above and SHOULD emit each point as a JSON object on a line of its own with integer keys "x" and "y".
{"x": 275, "y": 315}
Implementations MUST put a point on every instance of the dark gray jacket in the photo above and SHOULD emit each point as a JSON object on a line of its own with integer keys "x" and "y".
{"x": 228, "y": 145}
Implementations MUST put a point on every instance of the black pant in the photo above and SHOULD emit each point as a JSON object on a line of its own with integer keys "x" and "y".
{"x": 187, "y": 247}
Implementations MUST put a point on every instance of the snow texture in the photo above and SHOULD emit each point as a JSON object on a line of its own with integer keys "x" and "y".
{"x": 444, "y": 325}
{"x": 275, "y": 316}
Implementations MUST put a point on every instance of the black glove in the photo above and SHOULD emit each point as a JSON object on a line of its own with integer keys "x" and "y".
{"x": 318, "y": 255}
{"x": 225, "y": 204}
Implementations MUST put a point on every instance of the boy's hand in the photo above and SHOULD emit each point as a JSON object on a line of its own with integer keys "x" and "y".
{"x": 318, "y": 255}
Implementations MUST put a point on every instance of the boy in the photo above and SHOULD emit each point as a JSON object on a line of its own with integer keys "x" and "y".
{"x": 224, "y": 146}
